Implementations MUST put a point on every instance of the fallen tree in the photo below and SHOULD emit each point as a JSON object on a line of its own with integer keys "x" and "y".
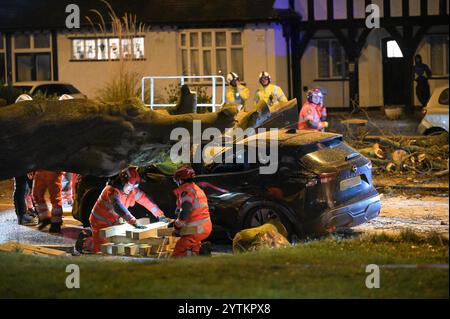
{"x": 88, "y": 137}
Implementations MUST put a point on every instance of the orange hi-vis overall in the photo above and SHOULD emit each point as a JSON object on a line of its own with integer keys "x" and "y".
{"x": 51, "y": 181}
{"x": 104, "y": 213}
{"x": 310, "y": 117}
{"x": 189, "y": 245}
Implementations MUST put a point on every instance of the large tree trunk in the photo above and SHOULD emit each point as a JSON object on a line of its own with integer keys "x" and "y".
{"x": 87, "y": 137}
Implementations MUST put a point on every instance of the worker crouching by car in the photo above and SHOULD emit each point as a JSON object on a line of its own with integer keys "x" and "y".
{"x": 192, "y": 210}
{"x": 119, "y": 194}
{"x": 313, "y": 114}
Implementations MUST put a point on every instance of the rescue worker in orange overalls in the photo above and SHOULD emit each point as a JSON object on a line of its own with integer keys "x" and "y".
{"x": 119, "y": 194}
{"x": 313, "y": 114}
{"x": 51, "y": 181}
{"x": 192, "y": 210}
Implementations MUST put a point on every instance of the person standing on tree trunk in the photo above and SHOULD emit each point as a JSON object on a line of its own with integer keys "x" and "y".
{"x": 423, "y": 73}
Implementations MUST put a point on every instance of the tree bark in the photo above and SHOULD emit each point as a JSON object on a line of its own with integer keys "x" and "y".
{"x": 87, "y": 137}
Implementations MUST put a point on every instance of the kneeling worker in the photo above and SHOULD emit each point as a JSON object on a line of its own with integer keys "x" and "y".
{"x": 119, "y": 194}
{"x": 192, "y": 208}
{"x": 313, "y": 114}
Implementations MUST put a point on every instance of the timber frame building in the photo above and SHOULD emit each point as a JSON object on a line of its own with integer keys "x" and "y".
{"x": 302, "y": 43}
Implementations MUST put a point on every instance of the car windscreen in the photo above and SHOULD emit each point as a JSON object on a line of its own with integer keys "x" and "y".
{"x": 23, "y": 88}
{"x": 56, "y": 89}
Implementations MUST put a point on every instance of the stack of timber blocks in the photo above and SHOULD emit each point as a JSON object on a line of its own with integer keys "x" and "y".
{"x": 155, "y": 240}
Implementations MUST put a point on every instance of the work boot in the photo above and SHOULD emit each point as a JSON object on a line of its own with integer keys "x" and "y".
{"x": 80, "y": 242}
{"x": 27, "y": 219}
{"x": 43, "y": 223}
{"x": 55, "y": 228}
{"x": 205, "y": 249}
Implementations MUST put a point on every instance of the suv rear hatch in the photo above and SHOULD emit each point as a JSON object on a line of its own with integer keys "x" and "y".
{"x": 343, "y": 174}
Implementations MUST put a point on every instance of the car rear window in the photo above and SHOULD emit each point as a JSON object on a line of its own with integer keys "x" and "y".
{"x": 443, "y": 98}
{"x": 333, "y": 154}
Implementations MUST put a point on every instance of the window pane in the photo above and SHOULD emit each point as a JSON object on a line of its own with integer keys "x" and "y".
{"x": 113, "y": 48}
{"x": 2, "y": 68}
{"x": 126, "y": 48}
{"x": 206, "y": 39}
{"x": 236, "y": 38}
{"x": 90, "y": 49}
{"x": 207, "y": 62}
{"x": 194, "y": 63}
{"x": 23, "y": 67}
{"x": 393, "y": 50}
{"x": 183, "y": 39}
{"x": 194, "y": 39}
{"x": 221, "y": 39}
{"x": 337, "y": 59}
{"x": 22, "y": 41}
{"x": 138, "y": 48}
{"x": 42, "y": 40}
{"x": 78, "y": 49}
{"x": 102, "y": 45}
{"x": 43, "y": 67}
{"x": 437, "y": 55}
{"x": 221, "y": 61}
{"x": 323, "y": 59}
{"x": 237, "y": 63}
{"x": 1, "y": 41}
{"x": 184, "y": 62}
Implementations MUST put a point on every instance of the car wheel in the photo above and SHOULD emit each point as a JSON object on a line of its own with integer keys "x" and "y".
{"x": 260, "y": 215}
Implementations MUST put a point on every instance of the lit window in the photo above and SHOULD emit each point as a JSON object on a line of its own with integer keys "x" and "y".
{"x": 393, "y": 50}
{"x": 107, "y": 48}
{"x": 211, "y": 52}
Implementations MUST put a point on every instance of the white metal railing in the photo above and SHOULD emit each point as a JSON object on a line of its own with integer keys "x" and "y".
{"x": 214, "y": 79}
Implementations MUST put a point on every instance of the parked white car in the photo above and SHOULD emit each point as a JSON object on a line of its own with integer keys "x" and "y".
{"x": 49, "y": 88}
{"x": 436, "y": 113}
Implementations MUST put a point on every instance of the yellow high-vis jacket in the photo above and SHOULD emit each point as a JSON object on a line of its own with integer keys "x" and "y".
{"x": 271, "y": 94}
{"x": 237, "y": 95}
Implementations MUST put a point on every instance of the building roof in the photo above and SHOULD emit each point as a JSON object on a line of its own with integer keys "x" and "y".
{"x": 50, "y": 14}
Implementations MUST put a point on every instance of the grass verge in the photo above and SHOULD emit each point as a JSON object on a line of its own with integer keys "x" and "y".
{"x": 329, "y": 268}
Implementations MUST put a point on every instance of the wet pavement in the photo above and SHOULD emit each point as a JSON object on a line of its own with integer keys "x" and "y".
{"x": 11, "y": 231}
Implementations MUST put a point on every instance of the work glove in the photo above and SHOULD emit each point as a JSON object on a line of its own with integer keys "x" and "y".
{"x": 163, "y": 219}
{"x": 137, "y": 226}
{"x": 176, "y": 233}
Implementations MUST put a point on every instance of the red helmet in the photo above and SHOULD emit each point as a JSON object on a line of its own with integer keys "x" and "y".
{"x": 130, "y": 175}
{"x": 184, "y": 172}
{"x": 312, "y": 92}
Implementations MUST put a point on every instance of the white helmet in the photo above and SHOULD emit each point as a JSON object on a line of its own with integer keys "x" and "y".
{"x": 264, "y": 75}
{"x": 231, "y": 77}
{"x": 65, "y": 97}
{"x": 23, "y": 97}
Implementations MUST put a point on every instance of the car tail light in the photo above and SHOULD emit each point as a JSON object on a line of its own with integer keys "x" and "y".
{"x": 327, "y": 177}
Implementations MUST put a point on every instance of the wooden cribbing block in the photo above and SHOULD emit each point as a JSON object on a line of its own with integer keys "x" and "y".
{"x": 116, "y": 230}
{"x": 162, "y": 232}
{"x": 106, "y": 248}
{"x": 12, "y": 246}
{"x": 144, "y": 249}
{"x": 131, "y": 249}
{"x": 150, "y": 230}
